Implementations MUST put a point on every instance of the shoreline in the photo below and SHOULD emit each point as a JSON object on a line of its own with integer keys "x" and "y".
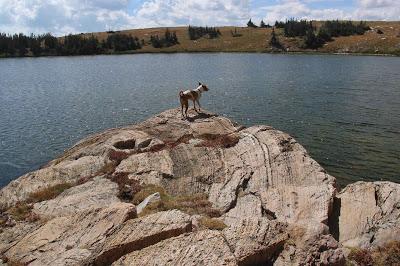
{"x": 212, "y": 52}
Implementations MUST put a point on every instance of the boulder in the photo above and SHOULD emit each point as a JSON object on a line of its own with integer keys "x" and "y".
{"x": 200, "y": 248}
{"x": 139, "y": 233}
{"x": 368, "y": 214}
{"x": 63, "y": 172}
{"x": 274, "y": 199}
{"x": 70, "y": 239}
{"x": 255, "y": 241}
{"x": 97, "y": 192}
{"x": 10, "y": 236}
{"x": 309, "y": 243}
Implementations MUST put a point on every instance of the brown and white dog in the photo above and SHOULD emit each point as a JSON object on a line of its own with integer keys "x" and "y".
{"x": 193, "y": 95}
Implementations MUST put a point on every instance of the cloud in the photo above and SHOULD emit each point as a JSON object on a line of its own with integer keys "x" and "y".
{"x": 205, "y": 12}
{"x": 300, "y": 9}
{"x": 378, "y": 10}
{"x": 73, "y": 16}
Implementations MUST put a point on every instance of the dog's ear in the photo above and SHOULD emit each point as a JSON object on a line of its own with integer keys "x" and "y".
{"x": 199, "y": 83}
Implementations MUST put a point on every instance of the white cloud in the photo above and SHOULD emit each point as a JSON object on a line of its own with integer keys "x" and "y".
{"x": 74, "y": 16}
{"x": 300, "y": 10}
{"x": 205, "y": 12}
{"x": 363, "y": 10}
{"x": 378, "y": 10}
{"x": 65, "y": 16}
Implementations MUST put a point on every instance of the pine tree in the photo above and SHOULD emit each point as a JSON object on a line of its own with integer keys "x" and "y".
{"x": 250, "y": 24}
{"x": 274, "y": 42}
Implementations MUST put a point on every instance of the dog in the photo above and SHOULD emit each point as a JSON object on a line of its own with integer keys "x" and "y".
{"x": 193, "y": 95}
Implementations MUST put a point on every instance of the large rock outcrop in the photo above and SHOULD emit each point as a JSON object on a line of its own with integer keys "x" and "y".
{"x": 368, "y": 214}
{"x": 276, "y": 204}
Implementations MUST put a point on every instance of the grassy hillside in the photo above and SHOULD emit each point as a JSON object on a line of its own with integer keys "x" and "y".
{"x": 257, "y": 40}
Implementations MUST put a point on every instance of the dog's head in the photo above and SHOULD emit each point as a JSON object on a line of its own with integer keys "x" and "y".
{"x": 205, "y": 88}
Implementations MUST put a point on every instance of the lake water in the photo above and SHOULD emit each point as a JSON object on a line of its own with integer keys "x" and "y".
{"x": 344, "y": 109}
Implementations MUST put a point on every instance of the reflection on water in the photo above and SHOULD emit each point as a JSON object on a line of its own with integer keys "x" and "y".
{"x": 345, "y": 110}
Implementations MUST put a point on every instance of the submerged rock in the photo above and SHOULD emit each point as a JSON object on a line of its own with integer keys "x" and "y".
{"x": 276, "y": 204}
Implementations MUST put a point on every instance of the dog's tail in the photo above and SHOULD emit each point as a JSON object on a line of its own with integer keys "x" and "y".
{"x": 180, "y": 93}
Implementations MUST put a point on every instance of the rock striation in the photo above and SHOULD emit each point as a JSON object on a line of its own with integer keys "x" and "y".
{"x": 270, "y": 202}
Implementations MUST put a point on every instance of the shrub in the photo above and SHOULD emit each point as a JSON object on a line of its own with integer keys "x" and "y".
{"x": 49, "y": 192}
{"x": 191, "y": 204}
{"x": 362, "y": 257}
{"x": 387, "y": 255}
{"x": 22, "y": 211}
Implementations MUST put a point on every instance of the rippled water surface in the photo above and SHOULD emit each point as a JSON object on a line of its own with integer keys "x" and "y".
{"x": 344, "y": 109}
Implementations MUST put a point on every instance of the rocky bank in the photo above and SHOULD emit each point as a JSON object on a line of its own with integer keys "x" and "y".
{"x": 265, "y": 201}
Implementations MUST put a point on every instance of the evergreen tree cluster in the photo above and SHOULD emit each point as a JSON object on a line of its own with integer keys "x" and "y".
{"x": 274, "y": 42}
{"x": 121, "y": 42}
{"x": 198, "y": 32}
{"x": 78, "y": 45}
{"x": 46, "y": 44}
{"x": 279, "y": 24}
{"x": 263, "y": 25}
{"x": 250, "y": 24}
{"x": 314, "y": 39}
{"x": 293, "y": 28}
{"x": 336, "y": 28}
{"x": 168, "y": 40}
{"x": 20, "y": 44}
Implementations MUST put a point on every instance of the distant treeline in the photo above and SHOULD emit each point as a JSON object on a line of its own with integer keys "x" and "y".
{"x": 198, "y": 32}
{"x": 37, "y": 45}
{"x": 314, "y": 38}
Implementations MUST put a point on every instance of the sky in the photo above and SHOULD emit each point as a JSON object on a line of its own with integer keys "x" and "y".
{"x": 61, "y": 17}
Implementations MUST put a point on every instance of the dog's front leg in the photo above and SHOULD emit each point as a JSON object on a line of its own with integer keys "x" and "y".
{"x": 194, "y": 104}
{"x": 198, "y": 105}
